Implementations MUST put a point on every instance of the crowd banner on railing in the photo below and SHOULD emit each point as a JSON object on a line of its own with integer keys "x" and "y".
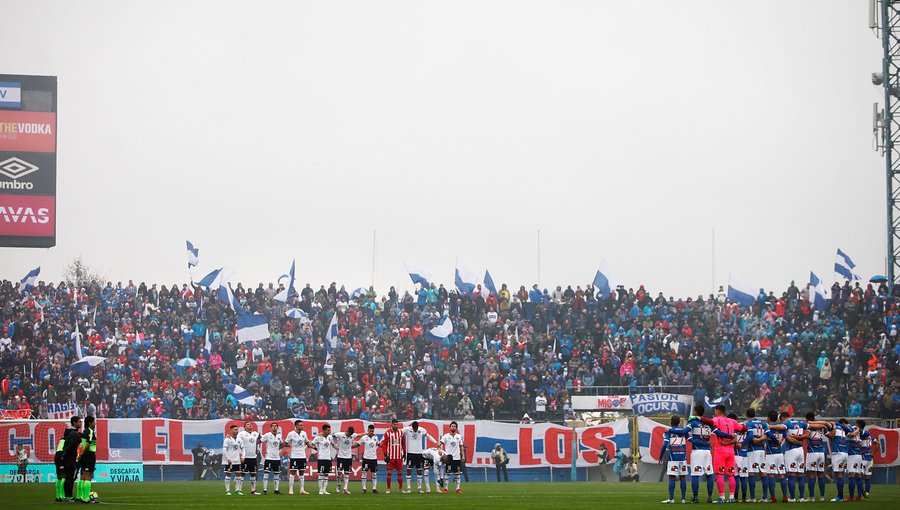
{"x": 645, "y": 404}
{"x": 601, "y": 402}
{"x": 650, "y": 440}
{"x": 62, "y": 411}
{"x": 164, "y": 441}
{"x": 15, "y": 414}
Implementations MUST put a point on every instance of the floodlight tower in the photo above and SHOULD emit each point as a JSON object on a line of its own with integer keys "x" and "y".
{"x": 884, "y": 19}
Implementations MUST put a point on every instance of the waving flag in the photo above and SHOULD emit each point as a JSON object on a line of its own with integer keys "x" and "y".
{"x": 296, "y": 313}
{"x": 216, "y": 279}
{"x": 603, "y": 280}
{"x": 331, "y": 336}
{"x": 443, "y": 329}
{"x": 243, "y": 396}
{"x": 820, "y": 293}
{"x": 843, "y": 266}
{"x": 193, "y": 255}
{"x": 207, "y": 344}
{"x": 252, "y": 327}
{"x": 489, "y": 282}
{"x": 465, "y": 281}
{"x": 77, "y": 336}
{"x": 419, "y": 274}
{"x": 27, "y": 282}
{"x": 741, "y": 291}
{"x": 288, "y": 291}
{"x": 86, "y": 364}
{"x": 357, "y": 292}
{"x": 226, "y": 296}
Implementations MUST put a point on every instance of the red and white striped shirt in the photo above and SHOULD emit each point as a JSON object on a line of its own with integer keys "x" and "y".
{"x": 393, "y": 445}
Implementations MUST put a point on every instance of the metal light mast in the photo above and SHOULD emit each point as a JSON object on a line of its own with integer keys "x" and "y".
{"x": 884, "y": 17}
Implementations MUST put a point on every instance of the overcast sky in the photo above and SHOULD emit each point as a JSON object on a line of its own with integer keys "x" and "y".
{"x": 624, "y": 130}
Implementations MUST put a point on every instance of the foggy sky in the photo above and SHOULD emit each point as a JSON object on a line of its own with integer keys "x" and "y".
{"x": 624, "y": 130}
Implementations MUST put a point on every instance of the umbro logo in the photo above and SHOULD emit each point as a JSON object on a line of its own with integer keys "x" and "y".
{"x": 15, "y": 168}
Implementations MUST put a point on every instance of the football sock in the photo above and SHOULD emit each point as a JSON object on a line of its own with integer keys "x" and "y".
{"x": 227, "y": 483}
{"x": 720, "y": 484}
{"x": 732, "y": 486}
{"x": 868, "y": 484}
{"x": 671, "y": 488}
{"x": 752, "y": 483}
{"x": 695, "y": 485}
{"x": 683, "y": 488}
{"x": 821, "y": 487}
{"x": 839, "y": 481}
{"x": 266, "y": 482}
{"x": 792, "y": 486}
{"x": 709, "y": 485}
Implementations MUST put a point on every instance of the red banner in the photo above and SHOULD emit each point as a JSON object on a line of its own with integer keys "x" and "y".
{"x": 15, "y": 414}
{"x": 27, "y": 131}
{"x": 27, "y": 215}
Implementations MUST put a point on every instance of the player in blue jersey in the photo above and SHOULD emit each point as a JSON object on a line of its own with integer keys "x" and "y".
{"x": 741, "y": 447}
{"x": 839, "y": 452}
{"x": 756, "y": 455}
{"x": 854, "y": 464}
{"x": 701, "y": 457}
{"x": 775, "y": 468}
{"x": 676, "y": 439}
{"x": 815, "y": 458}
{"x": 866, "y": 443}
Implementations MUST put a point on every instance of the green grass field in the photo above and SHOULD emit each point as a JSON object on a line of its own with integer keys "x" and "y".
{"x": 562, "y": 496}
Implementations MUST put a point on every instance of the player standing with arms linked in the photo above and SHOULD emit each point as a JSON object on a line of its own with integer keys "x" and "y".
{"x": 87, "y": 461}
{"x": 272, "y": 442}
{"x": 414, "y": 437}
{"x": 250, "y": 439}
{"x": 343, "y": 441}
{"x": 839, "y": 453}
{"x": 297, "y": 440}
{"x": 724, "y": 429}
{"x": 675, "y": 439}
{"x": 232, "y": 458}
{"x": 369, "y": 442}
{"x": 452, "y": 444}
{"x": 394, "y": 449}
{"x": 815, "y": 458}
{"x": 756, "y": 455}
{"x": 701, "y": 457}
{"x": 865, "y": 439}
{"x": 323, "y": 444}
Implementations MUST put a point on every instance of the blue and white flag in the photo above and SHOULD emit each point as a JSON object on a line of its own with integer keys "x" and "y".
{"x": 603, "y": 280}
{"x": 489, "y": 282}
{"x": 252, "y": 327}
{"x": 28, "y": 281}
{"x": 741, "y": 291}
{"x": 86, "y": 364}
{"x": 843, "y": 266}
{"x": 207, "y": 344}
{"x": 216, "y": 279}
{"x": 713, "y": 403}
{"x": 193, "y": 255}
{"x": 227, "y": 296}
{"x": 419, "y": 274}
{"x": 331, "y": 336}
{"x": 819, "y": 293}
{"x": 359, "y": 291}
{"x": 465, "y": 281}
{"x": 240, "y": 394}
{"x": 443, "y": 329}
{"x": 288, "y": 291}
{"x": 77, "y": 336}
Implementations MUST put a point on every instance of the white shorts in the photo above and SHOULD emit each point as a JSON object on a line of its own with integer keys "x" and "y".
{"x": 855, "y": 464}
{"x": 793, "y": 460}
{"x": 839, "y": 462}
{"x": 676, "y": 468}
{"x": 756, "y": 461}
{"x": 867, "y": 467}
{"x": 775, "y": 464}
{"x": 742, "y": 465}
{"x": 701, "y": 462}
{"x": 815, "y": 461}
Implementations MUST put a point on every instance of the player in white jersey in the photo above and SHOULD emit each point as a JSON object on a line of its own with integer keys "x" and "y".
{"x": 272, "y": 442}
{"x": 323, "y": 444}
{"x": 298, "y": 441}
{"x": 434, "y": 462}
{"x": 250, "y": 439}
{"x": 343, "y": 442}
{"x": 452, "y": 445}
{"x": 414, "y": 437}
{"x": 232, "y": 457}
{"x": 370, "y": 443}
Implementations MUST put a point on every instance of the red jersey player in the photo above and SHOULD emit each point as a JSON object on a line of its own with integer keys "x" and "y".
{"x": 394, "y": 447}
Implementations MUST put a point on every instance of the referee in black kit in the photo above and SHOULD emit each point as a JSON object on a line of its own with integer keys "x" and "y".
{"x": 70, "y": 454}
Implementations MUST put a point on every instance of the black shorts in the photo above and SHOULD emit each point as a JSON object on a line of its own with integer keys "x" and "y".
{"x": 233, "y": 468}
{"x": 60, "y": 466}
{"x": 344, "y": 465}
{"x": 414, "y": 460}
{"x": 88, "y": 462}
{"x": 272, "y": 466}
{"x": 370, "y": 465}
{"x": 428, "y": 463}
{"x": 324, "y": 466}
{"x": 249, "y": 466}
{"x": 453, "y": 467}
{"x": 297, "y": 465}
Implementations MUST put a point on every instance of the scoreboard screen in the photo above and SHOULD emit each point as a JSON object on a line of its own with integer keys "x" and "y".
{"x": 27, "y": 161}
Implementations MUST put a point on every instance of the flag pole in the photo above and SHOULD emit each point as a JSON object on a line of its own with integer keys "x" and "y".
{"x": 539, "y": 256}
{"x": 374, "y": 232}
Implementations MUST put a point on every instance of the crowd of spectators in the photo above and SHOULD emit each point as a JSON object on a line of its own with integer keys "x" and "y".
{"x": 512, "y": 352}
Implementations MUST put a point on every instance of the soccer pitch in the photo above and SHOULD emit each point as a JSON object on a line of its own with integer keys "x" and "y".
{"x": 561, "y": 496}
